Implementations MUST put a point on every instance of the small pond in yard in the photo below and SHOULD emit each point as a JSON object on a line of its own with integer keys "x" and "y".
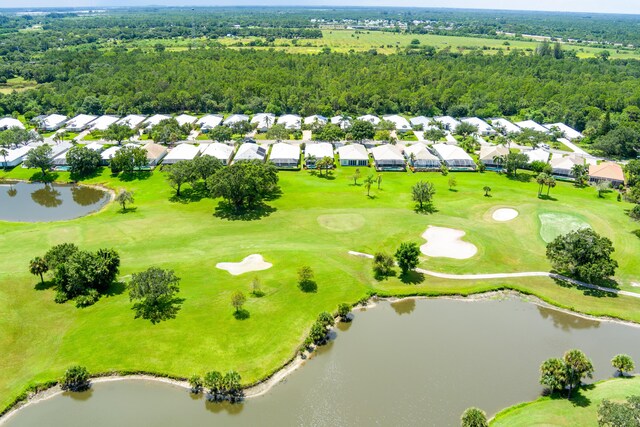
{"x": 407, "y": 363}
{"x": 39, "y": 202}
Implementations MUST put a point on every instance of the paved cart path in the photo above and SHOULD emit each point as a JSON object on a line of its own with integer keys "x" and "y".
{"x": 510, "y": 275}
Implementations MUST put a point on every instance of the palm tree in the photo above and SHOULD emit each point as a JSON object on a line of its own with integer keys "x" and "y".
{"x": 368, "y": 182}
{"x": 60, "y": 136}
{"x": 124, "y": 197}
{"x": 487, "y": 190}
{"x": 550, "y": 183}
{"x": 344, "y": 119}
{"x": 579, "y": 172}
{"x": 4, "y": 153}
{"x": 498, "y": 161}
{"x": 542, "y": 179}
{"x": 38, "y": 267}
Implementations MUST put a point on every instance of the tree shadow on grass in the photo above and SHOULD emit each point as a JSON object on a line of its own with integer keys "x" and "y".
{"x": 163, "y": 309}
{"x": 115, "y": 288}
{"x": 43, "y": 286}
{"x": 425, "y": 209}
{"x": 328, "y": 175}
{"x": 579, "y": 399}
{"x": 135, "y": 176}
{"x": 520, "y": 177}
{"x": 224, "y": 210}
{"x": 545, "y": 197}
{"x": 241, "y": 314}
{"x": 189, "y": 195}
{"x": 636, "y": 233}
{"x": 608, "y": 283}
{"x": 308, "y": 286}
{"x": 412, "y": 278}
{"x": 46, "y": 178}
{"x": 81, "y": 177}
{"x": 127, "y": 210}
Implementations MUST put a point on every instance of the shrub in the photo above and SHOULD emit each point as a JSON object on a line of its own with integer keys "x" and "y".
{"x": 76, "y": 378}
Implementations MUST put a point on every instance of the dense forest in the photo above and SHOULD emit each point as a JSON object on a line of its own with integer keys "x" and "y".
{"x": 250, "y": 81}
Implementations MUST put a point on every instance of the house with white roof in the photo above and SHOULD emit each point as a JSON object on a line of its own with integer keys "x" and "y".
{"x": 108, "y": 154}
{"x": 155, "y": 119}
{"x": 489, "y": 154}
{"x": 263, "y": 121}
{"x": 103, "y": 122}
{"x": 155, "y": 152}
{"x": 537, "y": 155}
{"x": 59, "y": 153}
{"x": 80, "y": 122}
{"x": 222, "y": 152}
{"x": 448, "y": 122}
{"x": 51, "y": 122}
{"x": 235, "y": 118}
{"x": 420, "y": 158}
{"x": 290, "y": 121}
{"x": 353, "y": 155}
{"x": 425, "y": 122}
{"x": 250, "y": 151}
{"x": 95, "y": 146}
{"x": 132, "y": 120}
{"x": 484, "y": 128}
{"x": 186, "y": 119}
{"x": 504, "y": 126}
{"x": 208, "y": 122}
{"x": 10, "y": 122}
{"x": 374, "y": 120}
{"x": 316, "y": 119}
{"x": 316, "y": 151}
{"x": 530, "y": 124}
{"x": 563, "y": 165}
{"x": 14, "y": 157}
{"x": 568, "y": 132}
{"x": 285, "y": 156}
{"x": 181, "y": 152}
{"x": 388, "y": 157}
{"x": 454, "y": 157}
{"x": 343, "y": 121}
{"x": 401, "y": 124}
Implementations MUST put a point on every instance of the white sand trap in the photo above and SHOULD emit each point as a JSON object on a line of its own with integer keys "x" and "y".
{"x": 253, "y": 262}
{"x": 504, "y": 214}
{"x": 446, "y": 243}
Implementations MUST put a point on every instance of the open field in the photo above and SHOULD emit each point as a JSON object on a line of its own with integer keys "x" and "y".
{"x": 315, "y": 222}
{"x": 383, "y": 42}
{"x": 563, "y": 412}
{"x": 18, "y": 84}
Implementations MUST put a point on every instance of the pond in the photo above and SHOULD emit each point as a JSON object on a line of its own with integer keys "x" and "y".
{"x": 412, "y": 362}
{"x": 39, "y": 202}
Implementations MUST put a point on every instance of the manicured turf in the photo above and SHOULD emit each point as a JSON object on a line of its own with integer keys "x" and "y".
{"x": 315, "y": 222}
{"x": 553, "y": 225}
{"x": 580, "y": 411}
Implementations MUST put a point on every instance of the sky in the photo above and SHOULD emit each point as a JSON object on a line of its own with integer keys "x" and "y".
{"x": 598, "y": 6}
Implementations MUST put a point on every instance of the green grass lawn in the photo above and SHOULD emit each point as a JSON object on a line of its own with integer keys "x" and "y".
{"x": 18, "y": 84}
{"x": 383, "y": 42}
{"x": 549, "y": 411}
{"x": 40, "y": 338}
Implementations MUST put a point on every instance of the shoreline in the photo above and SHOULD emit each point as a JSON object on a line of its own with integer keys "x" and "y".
{"x": 262, "y": 387}
{"x": 111, "y": 192}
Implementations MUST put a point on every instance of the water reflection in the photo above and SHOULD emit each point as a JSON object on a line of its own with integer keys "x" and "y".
{"x": 566, "y": 321}
{"x": 404, "y": 306}
{"x": 229, "y": 408}
{"x": 80, "y": 396}
{"x": 47, "y": 196}
{"x": 86, "y": 196}
{"x": 33, "y": 202}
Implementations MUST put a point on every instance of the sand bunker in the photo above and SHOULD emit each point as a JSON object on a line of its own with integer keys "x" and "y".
{"x": 504, "y": 214}
{"x": 341, "y": 222}
{"x": 553, "y": 225}
{"x": 446, "y": 243}
{"x": 253, "y": 262}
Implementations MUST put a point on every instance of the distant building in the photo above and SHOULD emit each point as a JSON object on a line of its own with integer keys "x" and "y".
{"x": 401, "y": 124}
{"x": 483, "y": 127}
{"x": 10, "y": 122}
{"x": 374, "y": 120}
{"x": 285, "y": 156}
{"x": 181, "y": 152}
{"x": 263, "y": 121}
{"x": 80, "y": 122}
{"x": 568, "y": 132}
{"x": 388, "y": 158}
{"x": 51, "y": 122}
{"x": 489, "y": 153}
{"x": 250, "y": 151}
{"x": 208, "y": 122}
{"x": 448, "y": 122}
{"x": 217, "y": 150}
{"x": 316, "y": 151}
{"x": 504, "y": 126}
{"x": 454, "y": 157}
{"x": 290, "y": 121}
{"x": 530, "y": 124}
{"x": 103, "y": 122}
{"x": 421, "y": 159}
{"x": 132, "y": 120}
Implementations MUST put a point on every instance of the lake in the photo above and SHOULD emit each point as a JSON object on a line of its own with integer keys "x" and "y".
{"x": 411, "y": 362}
{"x": 39, "y": 202}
